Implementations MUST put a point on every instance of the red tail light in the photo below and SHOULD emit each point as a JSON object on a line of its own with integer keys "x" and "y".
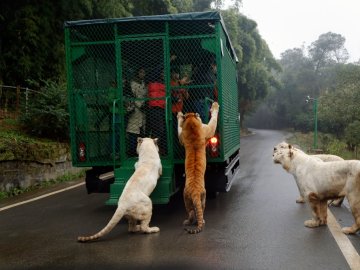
{"x": 213, "y": 141}
{"x": 82, "y": 152}
{"x": 213, "y": 145}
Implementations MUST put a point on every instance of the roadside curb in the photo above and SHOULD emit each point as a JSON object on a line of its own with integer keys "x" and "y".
{"x": 31, "y": 195}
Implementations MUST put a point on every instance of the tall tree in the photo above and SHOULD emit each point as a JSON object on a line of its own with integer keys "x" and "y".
{"x": 340, "y": 107}
{"x": 256, "y": 62}
{"x": 202, "y": 5}
{"x": 32, "y": 41}
{"x": 323, "y": 75}
{"x": 327, "y": 49}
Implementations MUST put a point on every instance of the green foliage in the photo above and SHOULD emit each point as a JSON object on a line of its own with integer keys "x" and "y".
{"x": 328, "y": 48}
{"x": 256, "y": 62}
{"x": 339, "y": 108}
{"x": 201, "y": 5}
{"x": 46, "y": 113}
{"x": 183, "y": 6}
{"x": 352, "y": 134}
{"x": 327, "y": 142}
{"x": 321, "y": 74}
{"x": 336, "y": 147}
{"x": 32, "y": 42}
{"x": 16, "y": 146}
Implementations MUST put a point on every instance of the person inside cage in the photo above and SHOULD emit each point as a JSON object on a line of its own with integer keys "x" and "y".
{"x": 203, "y": 74}
{"x": 178, "y": 95}
{"x": 156, "y": 115}
{"x": 137, "y": 118}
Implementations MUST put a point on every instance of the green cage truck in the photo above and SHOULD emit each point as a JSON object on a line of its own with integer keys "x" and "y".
{"x": 128, "y": 78}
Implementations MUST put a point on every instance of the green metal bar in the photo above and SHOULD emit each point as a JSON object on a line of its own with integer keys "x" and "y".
{"x": 168, "y": 112}
{"x": 193, "y": 37}
{"x": 119, "y": 79}
{"x": 193, "y": 86}
{"x": 69, "y": 80}
{"x": 92, "y": 43}
{"x": 141, "y": 38}
{"x": 114, "y": 123}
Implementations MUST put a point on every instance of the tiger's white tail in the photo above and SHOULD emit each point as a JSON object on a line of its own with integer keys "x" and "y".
{"x": 119, "y": 213}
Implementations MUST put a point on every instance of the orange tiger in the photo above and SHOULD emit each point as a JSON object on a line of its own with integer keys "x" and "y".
{"x": 193, "y": 135}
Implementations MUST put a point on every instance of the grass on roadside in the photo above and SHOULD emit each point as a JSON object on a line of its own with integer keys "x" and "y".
{"x": 17, "y": 145}
{"x": 327, "y": 143}
{"x": 18, "y": 190}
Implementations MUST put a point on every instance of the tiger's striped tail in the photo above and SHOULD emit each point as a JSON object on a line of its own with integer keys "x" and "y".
{"x": 119, "y": 213}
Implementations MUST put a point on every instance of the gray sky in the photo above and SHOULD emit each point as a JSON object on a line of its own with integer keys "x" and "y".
{"x": 288, "y": 24}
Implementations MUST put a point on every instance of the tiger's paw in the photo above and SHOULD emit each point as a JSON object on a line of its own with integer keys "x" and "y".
{"x": 179, "y": 115}
{"x": 300, "y": 200}
{"x": 188, "y": 222}
{"x": 214, "y": 107}
{"x": 150, "y": 230}
{"x": 311, "y": 223}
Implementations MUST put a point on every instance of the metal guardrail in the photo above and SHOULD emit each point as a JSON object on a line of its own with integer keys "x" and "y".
{"x": 13, "y": 98}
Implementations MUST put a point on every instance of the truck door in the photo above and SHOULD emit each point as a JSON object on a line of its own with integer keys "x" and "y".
{"x": 144, "y": 97}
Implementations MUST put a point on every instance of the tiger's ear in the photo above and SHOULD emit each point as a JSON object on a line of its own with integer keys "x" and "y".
{"x": 181, "y": 120}
{"x": 156, "y": 141}
{"x": 197, "y": 115}
{"x": 139, "y": 140}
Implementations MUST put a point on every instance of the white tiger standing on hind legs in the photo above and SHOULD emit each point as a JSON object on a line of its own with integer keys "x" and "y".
{"x": 320, "y": 181}
{"x": 321, "y": 157}
{"x": 134, "y": 202}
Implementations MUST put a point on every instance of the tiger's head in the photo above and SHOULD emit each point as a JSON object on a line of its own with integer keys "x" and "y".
{"x": 192, "y": 131}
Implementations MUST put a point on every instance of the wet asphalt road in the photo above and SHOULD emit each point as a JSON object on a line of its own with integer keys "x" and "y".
{"x": 257, "y": 225}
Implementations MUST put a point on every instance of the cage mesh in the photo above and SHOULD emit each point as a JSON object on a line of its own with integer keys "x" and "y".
{"x": 129, "y": 79}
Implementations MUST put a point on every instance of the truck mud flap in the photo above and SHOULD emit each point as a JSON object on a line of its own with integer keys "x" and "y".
{"x": 94, "y": 183}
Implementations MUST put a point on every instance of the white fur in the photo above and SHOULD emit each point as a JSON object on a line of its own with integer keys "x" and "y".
{"x": 134, "y": 202}
{"x": 321, "y": 157}
{"x": 319, "y": 181}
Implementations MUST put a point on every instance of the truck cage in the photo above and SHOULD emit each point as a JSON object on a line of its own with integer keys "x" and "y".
{"x": 103, "y": 59}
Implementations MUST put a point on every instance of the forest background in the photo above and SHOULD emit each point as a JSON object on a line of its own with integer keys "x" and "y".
{"x": 272, "y": 92}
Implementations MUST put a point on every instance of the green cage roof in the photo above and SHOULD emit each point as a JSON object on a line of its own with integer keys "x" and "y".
{"x": 213, "y": 16}
{"x": 192, "y": 16}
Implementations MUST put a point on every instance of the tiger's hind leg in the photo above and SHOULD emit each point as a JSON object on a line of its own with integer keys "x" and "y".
{"x": 143, "y": 212}
{"x": 144, "y": 225}
{"x": 199, "y": 203}
{"x": 203, "y": 202}
{"x": 354, "y": 202}
{"x": 133, "y": 225}
{"x": 189, "y": 210}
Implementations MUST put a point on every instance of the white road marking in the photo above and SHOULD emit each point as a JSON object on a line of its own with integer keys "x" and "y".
{"x": 40, "y": 197}
{"x": 347, "y": 249}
